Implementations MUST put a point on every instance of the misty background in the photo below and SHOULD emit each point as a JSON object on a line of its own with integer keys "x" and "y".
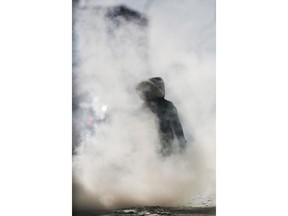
{"x": 115, "y": 160}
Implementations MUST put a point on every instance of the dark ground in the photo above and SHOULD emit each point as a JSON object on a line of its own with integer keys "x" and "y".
{"x": 151, "y": 210}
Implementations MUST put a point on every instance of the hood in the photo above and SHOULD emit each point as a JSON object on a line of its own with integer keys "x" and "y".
{"x": 152, "y": 88}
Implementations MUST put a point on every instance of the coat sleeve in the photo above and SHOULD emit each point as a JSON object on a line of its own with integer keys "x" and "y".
{"x": 177, "y": 127}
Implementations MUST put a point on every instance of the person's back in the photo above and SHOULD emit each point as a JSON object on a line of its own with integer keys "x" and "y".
{"x": 152, "y": 92}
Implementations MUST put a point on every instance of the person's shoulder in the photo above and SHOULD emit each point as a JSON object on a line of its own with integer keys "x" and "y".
{"x": 169, "y": 104}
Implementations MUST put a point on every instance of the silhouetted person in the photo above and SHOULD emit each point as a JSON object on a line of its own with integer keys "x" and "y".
{"x": 152, "y": 92}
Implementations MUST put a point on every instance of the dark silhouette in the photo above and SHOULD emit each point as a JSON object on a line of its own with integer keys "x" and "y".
{"x": 152, "y": 92}
{"x": 120, "y": 15}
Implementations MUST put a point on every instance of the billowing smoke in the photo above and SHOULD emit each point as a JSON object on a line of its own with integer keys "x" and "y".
{"x": 116, "y": 161}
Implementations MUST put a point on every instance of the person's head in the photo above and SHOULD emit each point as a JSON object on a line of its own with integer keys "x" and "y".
{"x": 151, "y": 89}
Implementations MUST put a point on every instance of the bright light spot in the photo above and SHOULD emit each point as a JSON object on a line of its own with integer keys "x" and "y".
{"x": 104, "y": 108}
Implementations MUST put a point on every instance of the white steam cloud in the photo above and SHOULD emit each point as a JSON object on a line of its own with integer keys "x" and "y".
{"x": 117, "y": 164}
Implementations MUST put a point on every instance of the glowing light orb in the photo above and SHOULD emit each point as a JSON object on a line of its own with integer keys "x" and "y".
{"x": 104, "y": 108}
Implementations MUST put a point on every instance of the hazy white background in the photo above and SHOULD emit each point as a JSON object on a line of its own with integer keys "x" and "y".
{"x": 36, "y": 161}
{"x": 118, "y": 166}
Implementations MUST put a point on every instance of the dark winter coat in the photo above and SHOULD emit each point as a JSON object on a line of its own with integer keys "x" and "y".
{"x": 152, "y": 92}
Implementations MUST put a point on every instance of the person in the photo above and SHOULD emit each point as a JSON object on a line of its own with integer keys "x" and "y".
{"x": 152, "y": 92}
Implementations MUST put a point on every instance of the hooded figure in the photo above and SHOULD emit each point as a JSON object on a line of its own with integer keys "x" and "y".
{"x": 152, "y": 92}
